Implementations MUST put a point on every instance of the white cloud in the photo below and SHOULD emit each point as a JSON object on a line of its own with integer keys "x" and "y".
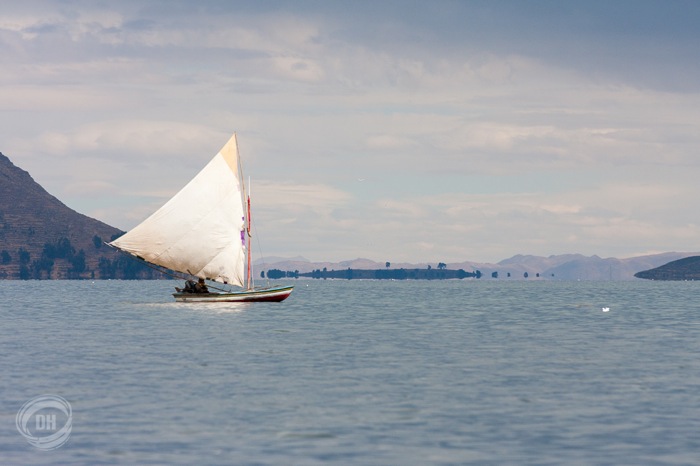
{"x": 317, "y": 198}
{"x": 471, "y": 145}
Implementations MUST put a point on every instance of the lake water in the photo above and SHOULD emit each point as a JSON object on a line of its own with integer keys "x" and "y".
{"x": 488, "y": 372}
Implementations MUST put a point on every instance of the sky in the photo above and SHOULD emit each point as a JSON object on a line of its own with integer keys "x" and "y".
{"x": 402, "y": 131}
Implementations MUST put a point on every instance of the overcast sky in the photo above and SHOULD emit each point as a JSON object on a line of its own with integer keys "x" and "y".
{"x": 392, "y": 130}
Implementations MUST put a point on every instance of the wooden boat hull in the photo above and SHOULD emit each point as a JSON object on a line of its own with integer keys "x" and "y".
{"x": 275, "y": 294}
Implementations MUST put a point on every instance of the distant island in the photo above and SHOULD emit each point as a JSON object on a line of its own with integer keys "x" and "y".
{"x": 377, "y": 274}
{"x": 683, "y": 269}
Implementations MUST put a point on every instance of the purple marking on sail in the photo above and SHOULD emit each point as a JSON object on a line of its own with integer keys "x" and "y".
{"x": 243, "y": 233}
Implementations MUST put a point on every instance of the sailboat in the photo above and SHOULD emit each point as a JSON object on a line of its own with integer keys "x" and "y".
{"x": 204, "y": 231}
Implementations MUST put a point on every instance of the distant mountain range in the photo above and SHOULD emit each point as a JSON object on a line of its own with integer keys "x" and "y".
{"x": 560, "y": 267}
{"x": 42, "y": 238}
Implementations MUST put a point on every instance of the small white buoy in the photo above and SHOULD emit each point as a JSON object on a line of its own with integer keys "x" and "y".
{"x": 606, "y": 309}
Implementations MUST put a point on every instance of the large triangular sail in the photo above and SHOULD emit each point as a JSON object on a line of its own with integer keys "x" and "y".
{"x": 201, "y": 230}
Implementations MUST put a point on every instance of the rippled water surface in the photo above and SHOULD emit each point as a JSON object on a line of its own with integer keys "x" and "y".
{"x": 358, "y": 372}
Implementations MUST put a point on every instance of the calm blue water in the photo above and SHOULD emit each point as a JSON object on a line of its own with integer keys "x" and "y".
{"x": 359, "y": 372}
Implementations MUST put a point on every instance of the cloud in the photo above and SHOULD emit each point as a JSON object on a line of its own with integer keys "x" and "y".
{"x": 480, "y": 130}
{"x": 319, "y": 198}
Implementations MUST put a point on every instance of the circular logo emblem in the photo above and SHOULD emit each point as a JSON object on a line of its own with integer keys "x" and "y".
{"x": 45, "y": 421}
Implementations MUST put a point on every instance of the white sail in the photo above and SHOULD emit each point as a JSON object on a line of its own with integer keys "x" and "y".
{"x": 201, "y": 230}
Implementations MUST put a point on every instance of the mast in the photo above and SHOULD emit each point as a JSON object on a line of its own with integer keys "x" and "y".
{"x": 249, "y": 275}
{"x": 245, "y": 200}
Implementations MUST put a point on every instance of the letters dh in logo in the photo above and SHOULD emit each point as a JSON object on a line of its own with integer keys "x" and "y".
{"x": 45, "y": 421}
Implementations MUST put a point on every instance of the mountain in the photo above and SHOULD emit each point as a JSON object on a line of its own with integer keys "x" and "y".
{"x": 579, "y": 267}
{"x": 682, "y": 269}
{"x": 40, "y": 237}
